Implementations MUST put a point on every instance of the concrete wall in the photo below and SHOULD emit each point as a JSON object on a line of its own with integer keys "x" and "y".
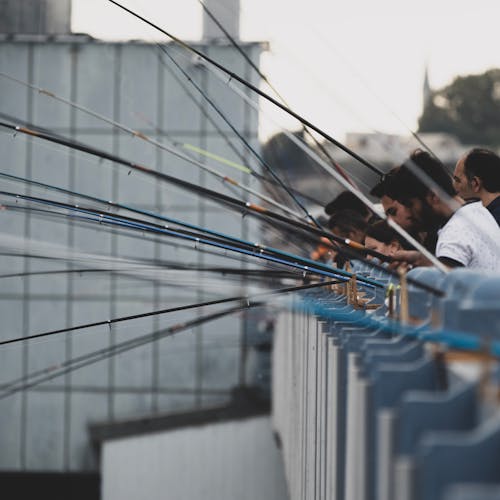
{"x": 226, "y": 461}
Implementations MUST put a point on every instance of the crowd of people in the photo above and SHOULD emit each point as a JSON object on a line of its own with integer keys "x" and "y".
{"x": 455, "y": 217}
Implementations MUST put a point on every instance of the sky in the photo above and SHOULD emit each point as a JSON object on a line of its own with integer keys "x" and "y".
{"x": 350, "y": 66}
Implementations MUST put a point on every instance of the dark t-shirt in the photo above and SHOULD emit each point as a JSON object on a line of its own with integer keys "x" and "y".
{"x": 494, "y": 208}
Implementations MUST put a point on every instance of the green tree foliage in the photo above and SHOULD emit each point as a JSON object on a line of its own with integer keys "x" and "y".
{"x": 469, "y": 108}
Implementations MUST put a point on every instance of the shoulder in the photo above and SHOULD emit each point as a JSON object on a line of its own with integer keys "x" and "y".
{"x": 473, "y": 215}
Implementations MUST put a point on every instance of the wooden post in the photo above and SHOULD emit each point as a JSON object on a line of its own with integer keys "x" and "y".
{"x": 404, "y": 313}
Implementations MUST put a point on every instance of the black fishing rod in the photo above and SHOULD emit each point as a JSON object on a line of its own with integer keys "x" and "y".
{"x": 246, "y": 207}
{"x": 255, "y": 89}
{"x": 198, "y": 305}
{"x": 108, "y": 352}
{"x": 221, "y": 132}
{"x": 251, "y": 171}
{"x": 250, "y": 148}
{"x": 130, "y": 344}
{"x": 235, "y": 44}
{"x": 225, "y": 271}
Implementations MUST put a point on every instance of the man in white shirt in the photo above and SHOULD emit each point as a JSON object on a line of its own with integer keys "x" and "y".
{"x": 468, "y": 235}
{"x": 477, "y": 176}
{"x": 470, "y": 238}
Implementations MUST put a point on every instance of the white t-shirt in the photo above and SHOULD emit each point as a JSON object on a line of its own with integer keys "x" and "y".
{"x": 472, "y": 237}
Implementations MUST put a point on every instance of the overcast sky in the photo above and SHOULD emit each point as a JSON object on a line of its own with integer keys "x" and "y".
{"x": 354, "y": 65}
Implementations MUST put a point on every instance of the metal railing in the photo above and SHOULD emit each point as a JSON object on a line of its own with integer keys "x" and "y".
{"x": 368, "y": 408}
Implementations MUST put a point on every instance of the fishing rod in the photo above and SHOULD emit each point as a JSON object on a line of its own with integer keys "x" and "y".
{"x": 416, "y": 283}
{"x": 245, "y": 207}
{"x": 267, "y": 253}
{"x": 247, "y": 169}
{"x": 111, "y": 351}
{"x": 191, "y": 226}
{"x": 392, "y": 273}
{"x": 229, "y": 271}
{"x": 255, "y": 89}
{"x": 250, "y": 148}
{"x": 177, "y": 245}
{"x": 416, "y": 244}
{"x": 54, "y": 252}
{"x": 305, "y": 122}
{"x": 265, "y": 79}
{"x": 130, "y": 344}
{"x": 100, "y": 218}
{"x": 190, "y": 147}
{"x": 134, "y": 260}
{"x": 109, "y": 322}
{"x": 116, "y": 205}
{"x": 253, "y": 209}
{"x": 155, "y": 143}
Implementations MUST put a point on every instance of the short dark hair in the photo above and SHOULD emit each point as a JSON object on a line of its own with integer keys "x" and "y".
{"x": 383, "y": 185}
{"x": 485, "y": 164}
{"x": 406, "y": 185}
{"x": 347, "y": 220}
{"x": 346, "y": 201}
{"x": 381, "y": 231}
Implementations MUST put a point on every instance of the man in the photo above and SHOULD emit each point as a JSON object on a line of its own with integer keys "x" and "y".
{"x": 385, "y": 190}
{"x": 393, "y": 209}
{"x": 348, "y": 201}
{"x": 348, "y": 224}
{"x": 467, "y": 233}
{"x": 477, "y": 176}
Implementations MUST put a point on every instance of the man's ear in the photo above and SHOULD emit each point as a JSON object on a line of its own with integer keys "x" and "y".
{"x": 476, "y": 184}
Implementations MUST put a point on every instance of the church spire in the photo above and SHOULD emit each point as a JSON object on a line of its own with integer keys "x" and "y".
{"x": 426, "y": 90}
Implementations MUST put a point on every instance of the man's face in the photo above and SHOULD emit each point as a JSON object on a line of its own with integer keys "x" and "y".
{"x": 398, "y": 213}
{"x": 353, "y": 234}
{"x": 422, "y": 214}
{"x": 462, "y": 185}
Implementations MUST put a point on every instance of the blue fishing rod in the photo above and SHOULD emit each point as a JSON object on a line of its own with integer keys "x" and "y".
{"x": 280, "y": 253}
{"x": 176, "y": 221}
{"x": 248, "y": 249}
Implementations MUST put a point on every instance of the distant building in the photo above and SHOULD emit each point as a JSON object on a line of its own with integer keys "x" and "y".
{"x": 45, "y": 428}
{"x": 385, "y": 149}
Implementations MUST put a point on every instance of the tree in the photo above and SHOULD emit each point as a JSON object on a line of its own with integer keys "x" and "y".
{"x": 469, "y": 108}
